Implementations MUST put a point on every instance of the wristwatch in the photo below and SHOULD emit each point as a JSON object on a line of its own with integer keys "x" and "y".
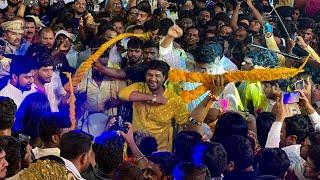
{"x": 195, "y": 122}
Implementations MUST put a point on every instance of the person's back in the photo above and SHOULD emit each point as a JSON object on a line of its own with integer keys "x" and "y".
{"x": 188, "y": 171}
{"x": 52, "y": 127}
{"x": 76, "y": 151}
{"x": 240, "y": 158}
{"x": 108, "y": 149}
{"x": 273, "y": 161}
{"x": 7, "y": 114}
{"x": 213, "y": 156}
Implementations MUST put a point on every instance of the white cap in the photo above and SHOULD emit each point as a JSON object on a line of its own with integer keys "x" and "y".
{"x": 66, "y": 33}
{"x": 37, "y": 20}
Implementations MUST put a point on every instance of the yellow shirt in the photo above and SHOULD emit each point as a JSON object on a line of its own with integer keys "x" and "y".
{"x": 157, "y": 119}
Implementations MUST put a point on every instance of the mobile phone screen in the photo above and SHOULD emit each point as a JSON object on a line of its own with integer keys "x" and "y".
{"x": 291, "y": 97}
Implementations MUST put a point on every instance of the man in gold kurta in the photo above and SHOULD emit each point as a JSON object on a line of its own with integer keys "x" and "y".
{"x": 155, "y": 106}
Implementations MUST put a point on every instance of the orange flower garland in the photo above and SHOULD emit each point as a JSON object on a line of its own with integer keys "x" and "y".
{"x": 72, "y": 102}
{"x": 178, "y": 75}
{"x": 85, "y": 66}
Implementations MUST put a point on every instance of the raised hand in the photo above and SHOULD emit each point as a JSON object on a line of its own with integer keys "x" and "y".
{"x": 175, "y": 31}
{"x": 280, "y": 109}
{"x": 217, "y": 85}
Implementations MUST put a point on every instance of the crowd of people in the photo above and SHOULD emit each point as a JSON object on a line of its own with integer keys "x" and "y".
{"x": 130, "y": 121}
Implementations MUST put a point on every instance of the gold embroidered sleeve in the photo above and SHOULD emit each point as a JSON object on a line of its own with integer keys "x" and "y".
{"x": 124, "y": 94}
{"x": 181, "y": 112}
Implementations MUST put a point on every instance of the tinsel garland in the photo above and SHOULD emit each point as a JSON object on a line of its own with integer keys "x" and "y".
{"x": 72, "y": 101}
{"x": 267, "y": 74}
{"x": 46, "y": 169}
{"x": 85, "y": 66}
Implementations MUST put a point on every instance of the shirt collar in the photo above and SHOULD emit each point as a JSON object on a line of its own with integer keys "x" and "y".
{"x": 71, "y": 167}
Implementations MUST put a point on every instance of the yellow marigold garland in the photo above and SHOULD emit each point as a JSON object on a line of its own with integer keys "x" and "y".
{"x": 72, "y": 102}
{"x": 85, "y": 66}
{"x": 178, "y": 75}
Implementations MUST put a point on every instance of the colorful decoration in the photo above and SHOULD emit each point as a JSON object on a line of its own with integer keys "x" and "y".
{"x": 72, "y": 102}
{"x": 267, "y": 74}
{"x": 85, "y": 66}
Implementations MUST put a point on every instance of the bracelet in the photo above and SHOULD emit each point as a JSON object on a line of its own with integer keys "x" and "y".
{"x": 143, "y": 156}
{"x": 212, "y": 96}
{"x": 195, "y": 122}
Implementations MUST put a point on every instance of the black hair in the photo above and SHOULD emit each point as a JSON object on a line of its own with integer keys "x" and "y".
{"x": 118, "y": 19}
{"x": 188, "y": 14}
{"x": 137, "y": 27}
{"x": 29, "y": 19}
{"x": 221, "y": 5}
{"x": 273, "y": 83}
{"x": 95, "y": 42}
{"x": 239, "y": 151}
{"x": 108, "y": 149}
{"x": 165, "y": 23}
{"x": 314, "y": 155}
{"x": 51, "y": 124}
{"x": 127, "y": 171}
{"x": 222, "y": 17}
{"x": 29, "y": 114}
{"x": 150, "y": 44}
{"x": 188, "y": 171}
{"x": 145, "y": 7}
{"x": 102, "y": 29}
{"x": 128, "y": 11}
{"x": 166, "y": 160}
{"x": 146, "y": 142}
{"x": 205, "y": 9}
{"x": 297, "y": 125}
{"x": 152, "y": 25}
{"x": 230, "y": 123}
{"x": 21, "y": 65}
{"x": 135, "y": 43}
{"x": 184, "y": 143}
{"x": 38, "y": 52}
{"x": 7, "y": 112}
{"x": 273, "y": 161}
{"x": 314, "y": 138}
{"x": 161, "y": 66}
{"x": 44, "y": 62}
{"x": 305, "y": 23}
{"x": 75, "y": 143}
{"x": 212, "y": 155}
{"x": 264, "y": 122}
{"x": 11, "y": 146}
{"x": 193, "y": 27}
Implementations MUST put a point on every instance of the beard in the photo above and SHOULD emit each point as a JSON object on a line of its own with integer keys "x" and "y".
{"x": 24, "y": 88}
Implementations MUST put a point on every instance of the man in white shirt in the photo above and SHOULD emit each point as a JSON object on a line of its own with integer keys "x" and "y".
{"x": 289, "y": 132}
{"x": 21, "y": 79}
{"x": 76, "y": 151}
{"x": 44, "y": 83}
{"x": 99, "y": 89}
